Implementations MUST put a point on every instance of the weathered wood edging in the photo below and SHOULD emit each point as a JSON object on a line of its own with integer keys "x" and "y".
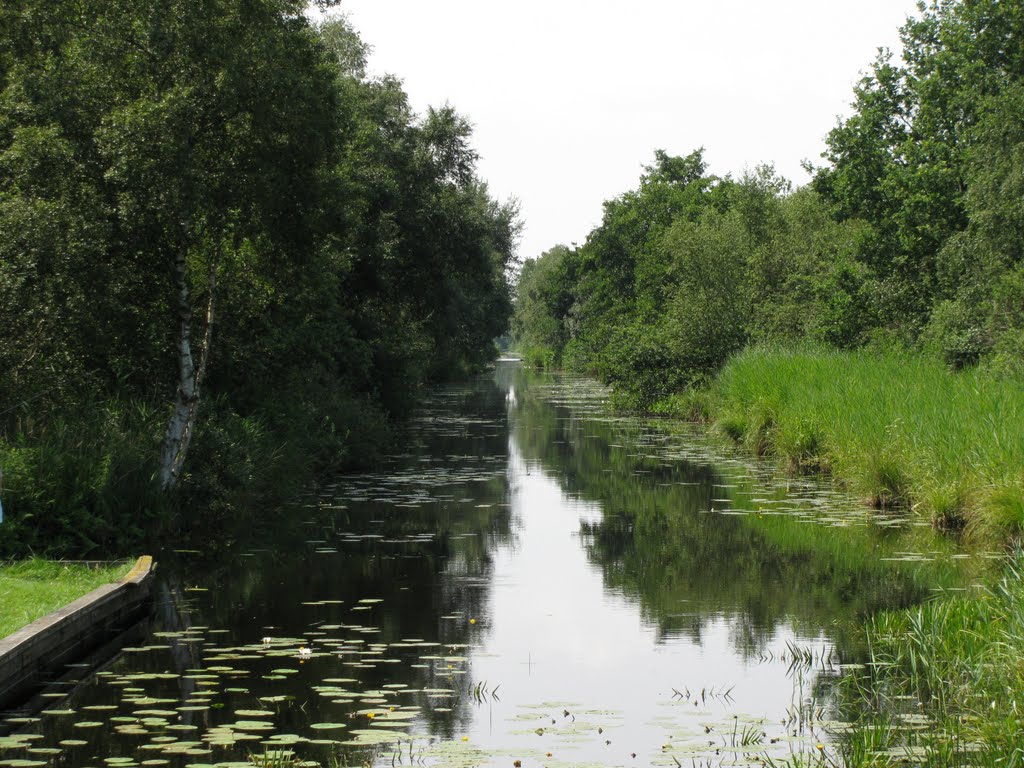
{"x": 42, "y": 649}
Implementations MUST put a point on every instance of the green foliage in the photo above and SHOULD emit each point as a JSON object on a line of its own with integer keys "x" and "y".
{"x": 339, "y": 253}
{"x": 639, "y": 363}
{"x": 806, "y": 280}
{"x": 909, "y": 239}
{"x": 931, "y": 158}
{"x": 706, "y": 317}
{"x": 544, "y": 296}
{"x": 82, "y": 484}
{"x": 1006, "y": 323}
{"x": 956, "y": 333}
{"x": 686, "y": 270}
{"x": 619, "y": 305}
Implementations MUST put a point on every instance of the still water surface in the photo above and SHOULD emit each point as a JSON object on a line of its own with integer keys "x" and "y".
{"x": 532, "y": 581}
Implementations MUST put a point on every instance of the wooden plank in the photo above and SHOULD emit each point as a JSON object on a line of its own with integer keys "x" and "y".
{"x": 43, "y": 648}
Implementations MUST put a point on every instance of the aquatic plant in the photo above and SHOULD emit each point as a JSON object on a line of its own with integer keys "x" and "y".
{"x": 901, "y": 431}
{"x": 946, "y": 681}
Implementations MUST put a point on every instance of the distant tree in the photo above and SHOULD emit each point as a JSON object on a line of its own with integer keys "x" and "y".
{"x": 545, "y": 293}
{"x": 622, "y": 275}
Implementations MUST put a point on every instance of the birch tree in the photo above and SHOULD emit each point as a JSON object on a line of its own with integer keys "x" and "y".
{"x": 219, "y": 145}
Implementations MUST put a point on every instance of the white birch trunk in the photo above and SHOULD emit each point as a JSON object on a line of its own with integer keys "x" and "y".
{"x": 204, "y": 357}
{"x": 186, "y": 393}
{"x": 186, "y": 400}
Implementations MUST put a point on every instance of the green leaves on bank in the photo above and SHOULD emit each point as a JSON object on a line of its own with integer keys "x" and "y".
{"x": 214, "y": 207}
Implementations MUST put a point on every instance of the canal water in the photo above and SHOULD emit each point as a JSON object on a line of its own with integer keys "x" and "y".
{"x": 532, "y": 581}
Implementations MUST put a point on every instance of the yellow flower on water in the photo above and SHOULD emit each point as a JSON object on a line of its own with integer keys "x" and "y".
{"x": 371, "y": 715}
{"x": 465, "y": 738}
{"x": 820, "y": 747}
{"x": 472, "y": 621}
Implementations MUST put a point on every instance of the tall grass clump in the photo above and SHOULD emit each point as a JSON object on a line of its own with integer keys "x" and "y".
{"x": 957, "y": 662}
{"x": 900, "y": 429}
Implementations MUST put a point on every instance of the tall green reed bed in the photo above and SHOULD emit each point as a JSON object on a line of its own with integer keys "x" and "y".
{"x": 30, "y": 589}
{"x": 901, "y": 430}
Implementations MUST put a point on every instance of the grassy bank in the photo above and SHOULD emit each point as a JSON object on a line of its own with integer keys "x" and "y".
{"x": 901, "y": 430}
{"x": 946, "y": 682}
{"x": 30, "y": 589}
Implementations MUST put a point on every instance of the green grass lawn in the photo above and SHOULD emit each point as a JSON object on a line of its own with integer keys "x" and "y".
{"x": 30, "y": 589}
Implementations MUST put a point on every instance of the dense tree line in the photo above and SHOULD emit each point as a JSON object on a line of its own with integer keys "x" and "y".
{"x": 910, "y": 235}
{"x": 226, "y": 256}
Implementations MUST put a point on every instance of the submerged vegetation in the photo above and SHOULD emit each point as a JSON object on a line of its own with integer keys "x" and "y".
{"x": 230, "y": 258}
{"x": 30, "y": 589}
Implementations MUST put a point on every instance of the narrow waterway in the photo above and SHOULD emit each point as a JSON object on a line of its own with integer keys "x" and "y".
{"x": 533, "y": 582}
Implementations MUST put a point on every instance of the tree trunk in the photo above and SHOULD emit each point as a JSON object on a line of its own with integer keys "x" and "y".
{"x": 204, "y": 357}
{"x": 186, "y": 400}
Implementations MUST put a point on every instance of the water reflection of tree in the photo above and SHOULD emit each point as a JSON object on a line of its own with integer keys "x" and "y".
{"x": 423, "y": 561}
{"x": 658, "y": 543}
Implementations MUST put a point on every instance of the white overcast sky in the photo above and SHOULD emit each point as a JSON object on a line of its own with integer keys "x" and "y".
{"x": 570, "y": 98}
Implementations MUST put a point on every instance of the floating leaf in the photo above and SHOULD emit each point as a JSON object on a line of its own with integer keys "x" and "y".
{"x": 252, "y": 725}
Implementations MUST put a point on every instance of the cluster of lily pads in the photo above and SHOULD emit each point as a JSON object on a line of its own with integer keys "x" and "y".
{"x": 224, "y": 711}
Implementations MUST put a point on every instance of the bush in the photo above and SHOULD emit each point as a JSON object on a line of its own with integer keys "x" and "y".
{"x": 641, "y": 368}
{"x": 956, "y": 333}
{"x": 83, "y": 485}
